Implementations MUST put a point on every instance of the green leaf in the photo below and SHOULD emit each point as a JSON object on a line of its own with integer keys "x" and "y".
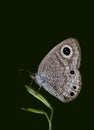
{"x": 38, "y": 96}
{"x": 44, "y": 101}
{"x": 33, "y": 110}
{"x": 39, "y": 112}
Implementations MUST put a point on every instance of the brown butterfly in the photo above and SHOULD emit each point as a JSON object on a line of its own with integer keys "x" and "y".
{"x": 58, "y": 72}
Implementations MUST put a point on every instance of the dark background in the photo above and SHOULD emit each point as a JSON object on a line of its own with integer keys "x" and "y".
{"x": 33, "y": 29}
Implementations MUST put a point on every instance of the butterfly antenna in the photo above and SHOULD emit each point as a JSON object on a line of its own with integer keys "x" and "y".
{"x": 31, "y": 74}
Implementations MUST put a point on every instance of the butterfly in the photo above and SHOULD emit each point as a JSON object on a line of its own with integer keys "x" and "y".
{"x": 58, "y": 73}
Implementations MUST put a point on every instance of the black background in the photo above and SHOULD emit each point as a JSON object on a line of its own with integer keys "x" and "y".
{"x": 31, "y": 30}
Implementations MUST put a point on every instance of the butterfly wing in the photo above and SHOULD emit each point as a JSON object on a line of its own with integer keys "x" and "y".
{"x": 54, "y": 70}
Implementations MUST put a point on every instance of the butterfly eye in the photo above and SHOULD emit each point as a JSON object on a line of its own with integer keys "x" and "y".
{"x": 72, "y": 72}
{"x": 66, "y": 51}
{"x": 71, "y": 93}
{"x": 74, "y": 87}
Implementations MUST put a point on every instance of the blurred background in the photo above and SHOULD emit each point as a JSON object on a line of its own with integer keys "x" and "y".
{"x": 33, "y": 29}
